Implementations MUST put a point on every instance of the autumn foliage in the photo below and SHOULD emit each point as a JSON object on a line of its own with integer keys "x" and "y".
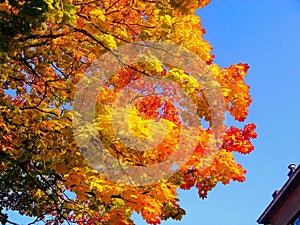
{"x": 46, "y": 47}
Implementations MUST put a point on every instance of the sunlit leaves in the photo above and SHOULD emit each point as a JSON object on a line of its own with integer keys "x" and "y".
{"x": 46, "y": 47}
{"x": 235, "y": 91}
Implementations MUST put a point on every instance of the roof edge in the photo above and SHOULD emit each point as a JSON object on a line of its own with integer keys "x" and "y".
{"x": 278, "y": 201}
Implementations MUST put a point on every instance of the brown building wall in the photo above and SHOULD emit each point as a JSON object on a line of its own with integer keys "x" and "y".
{"x": 285, "y": 206}
{"x": 288, "y": 210}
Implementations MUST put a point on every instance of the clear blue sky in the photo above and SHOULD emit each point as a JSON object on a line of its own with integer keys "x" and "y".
{"x": 266, "y": 35}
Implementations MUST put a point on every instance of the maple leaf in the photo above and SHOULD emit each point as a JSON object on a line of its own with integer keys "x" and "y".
{"x": 47, "y": 49}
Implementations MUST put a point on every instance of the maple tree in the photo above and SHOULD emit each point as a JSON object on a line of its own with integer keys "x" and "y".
{"x": 46, "y": 48}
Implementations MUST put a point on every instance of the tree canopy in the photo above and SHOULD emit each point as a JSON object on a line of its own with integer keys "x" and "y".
{"x": 170, "y": 100}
